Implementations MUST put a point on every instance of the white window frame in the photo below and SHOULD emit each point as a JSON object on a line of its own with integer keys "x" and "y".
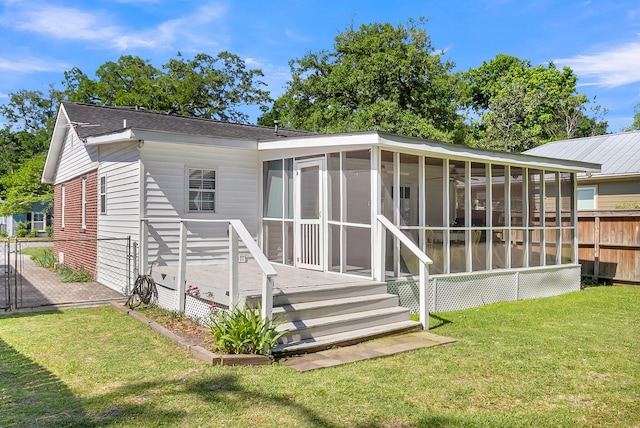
{"x": 103, "y": 194}
{"x": 43, "y": 221}
{"x": 63, "y": 203}
{"x": 213, "y": 191}
{"x": 84, "y": 203}
{"x": 595, "y": 200}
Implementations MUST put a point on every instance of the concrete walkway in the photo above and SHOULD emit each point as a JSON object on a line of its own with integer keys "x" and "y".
{"x": 365, "y": 351}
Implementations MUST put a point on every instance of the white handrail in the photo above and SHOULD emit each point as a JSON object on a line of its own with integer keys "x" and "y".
{"x": 424, "y": 262}
{"x": 236, "y": 230}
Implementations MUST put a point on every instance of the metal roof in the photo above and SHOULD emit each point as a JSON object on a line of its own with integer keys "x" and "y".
{"x": 619, "y": 154}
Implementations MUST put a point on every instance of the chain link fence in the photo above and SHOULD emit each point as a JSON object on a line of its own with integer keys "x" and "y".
{"x": 32, "y": 275}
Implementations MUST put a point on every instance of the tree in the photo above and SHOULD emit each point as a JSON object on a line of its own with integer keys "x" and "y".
{"x": 30, "y": 116}
{"x": 378, "y": 77}
{"x": 520, "y": 106}
{"x": 24, "y": 188}
{"x": 205, "y": 86}
{"x": 635, "y": 126}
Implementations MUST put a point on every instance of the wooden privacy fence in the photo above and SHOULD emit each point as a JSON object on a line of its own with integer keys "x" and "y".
{"x": 609, "y": 245}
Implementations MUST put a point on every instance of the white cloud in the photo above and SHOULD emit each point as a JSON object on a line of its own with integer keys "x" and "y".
{"x": 28, "y": 64}
{"x": 98, "y": 26}
{"x": 63, "y": 23}
{"x": 615, "y": 67}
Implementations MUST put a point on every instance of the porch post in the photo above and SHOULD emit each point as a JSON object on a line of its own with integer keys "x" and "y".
{"x": 182, "y": 267}
{"x": 234, "y": 295}
{"x": 424, "y": 296}
{"x": 143, "y": 263}
{"x": 267, "y": 297}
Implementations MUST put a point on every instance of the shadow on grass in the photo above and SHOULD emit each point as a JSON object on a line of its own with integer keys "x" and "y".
{"x": 441, "y": 321}
{"x": 30, "y": 395}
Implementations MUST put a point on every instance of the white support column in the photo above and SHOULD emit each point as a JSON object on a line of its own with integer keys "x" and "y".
{"x": 424, "y": 296}
{"x": 507, "y": 215}
{"x": 234, "y": 294}
{"x": 396, "y": 212}
{"x": 267, "y": 297}
{"x": 143, "y": 262}
{"x": 468, "y": 206}
{"x": 182, "y": 267}
{"x": 446, "y": 210}
{"x": 377, "y": 253}
{"x": 574, "y": 218}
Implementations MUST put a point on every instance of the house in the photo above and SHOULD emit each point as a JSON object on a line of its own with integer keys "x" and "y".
{"x": 448, "y": 226}
{"x": 608, "y": 203}
{"x": 617, "y": 185}
{"x": 35, "y": 222}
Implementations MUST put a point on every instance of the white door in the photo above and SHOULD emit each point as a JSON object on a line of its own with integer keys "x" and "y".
{"x": 308, "y": 215}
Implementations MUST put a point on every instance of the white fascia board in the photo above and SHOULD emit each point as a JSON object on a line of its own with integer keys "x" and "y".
{"x": 458, "y": 152}
{"x": 169, "y": 137}
{"x": 116, "y": 137}
{"x": 328, "y": 142}
{"x": 595, "y": 178}
{"x": 63, "y": 124}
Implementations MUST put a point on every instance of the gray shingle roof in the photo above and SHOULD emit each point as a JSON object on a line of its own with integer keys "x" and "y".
{"x": 112, "y": 119}
{"x": 618, "y": 153}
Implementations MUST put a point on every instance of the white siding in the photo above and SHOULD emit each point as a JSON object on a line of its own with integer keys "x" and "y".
{"x": 237, "y": 181}
{"x": 119, "y": 163}
{"x": 75, "y": 158}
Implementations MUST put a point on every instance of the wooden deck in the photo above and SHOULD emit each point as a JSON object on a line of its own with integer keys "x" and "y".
{"x": 214, "y": 278}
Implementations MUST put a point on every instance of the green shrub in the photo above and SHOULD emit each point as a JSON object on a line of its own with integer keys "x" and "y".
{"x": 33, "y": 233}
{"x": 49, "y": 231}
{"x": 43, "y": 257}
{"x": 243, "y": 331}
{"x": 21, "y": 229}
{"x": 67, "y": 274}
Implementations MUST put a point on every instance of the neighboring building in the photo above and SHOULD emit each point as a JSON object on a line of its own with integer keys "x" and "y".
{"x": 617, "y": 185}
{"x": 497, "y": 225}
{"x": 37, "y": 220}
{"x": 608, "y": 203}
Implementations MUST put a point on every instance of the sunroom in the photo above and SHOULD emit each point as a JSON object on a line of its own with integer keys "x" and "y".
{"x": 495, "y": 226}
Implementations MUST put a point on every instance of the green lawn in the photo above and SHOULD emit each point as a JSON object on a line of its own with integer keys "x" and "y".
{"x": 572, "y": 360}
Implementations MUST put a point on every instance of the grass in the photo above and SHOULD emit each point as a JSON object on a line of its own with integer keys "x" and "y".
{"x": 44, "y": 257}
{"x": 571, "y": 360}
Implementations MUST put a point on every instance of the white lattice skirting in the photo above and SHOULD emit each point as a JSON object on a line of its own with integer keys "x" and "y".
{"x": 462, "y": 291}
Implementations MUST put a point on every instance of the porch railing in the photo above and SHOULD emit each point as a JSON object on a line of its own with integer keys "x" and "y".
{"x": 236, "y": 230}
{"x": 424, "y": 262}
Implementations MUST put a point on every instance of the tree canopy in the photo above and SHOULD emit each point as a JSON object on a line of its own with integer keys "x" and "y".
{"x": 635, "y": 126}
{"x": 23, "y": 188}
{"x": 377, "y": 77}
{"x": 23, "y": 146}
{"x": 205, "y": 86}
{"x": 520, "y": 106}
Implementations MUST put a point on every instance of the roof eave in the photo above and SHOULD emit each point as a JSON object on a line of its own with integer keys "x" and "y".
{"x": 55, "y": 147}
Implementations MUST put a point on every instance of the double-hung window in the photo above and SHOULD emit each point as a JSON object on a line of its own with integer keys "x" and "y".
{"x": 202, "y": 190}
{"x": 103, "y": 194}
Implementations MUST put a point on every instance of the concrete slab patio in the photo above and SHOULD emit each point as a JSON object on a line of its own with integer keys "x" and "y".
{"x": 365, "y": 351}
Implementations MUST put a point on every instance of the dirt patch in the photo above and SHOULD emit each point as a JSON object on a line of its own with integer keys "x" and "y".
{"x": 181, "y": 325}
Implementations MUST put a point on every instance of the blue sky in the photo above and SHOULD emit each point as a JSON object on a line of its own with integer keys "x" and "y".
{"x": 599, "y": 40}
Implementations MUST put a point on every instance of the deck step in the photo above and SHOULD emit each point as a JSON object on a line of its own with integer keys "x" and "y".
{"x": 325, "y": 292}
{"x": 316, "y": 327}
{"x": 331, "y": 307}
{"x": 345, "y": 338}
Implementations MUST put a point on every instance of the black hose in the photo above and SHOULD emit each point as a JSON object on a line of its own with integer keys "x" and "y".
{"x": 144, "y": 292}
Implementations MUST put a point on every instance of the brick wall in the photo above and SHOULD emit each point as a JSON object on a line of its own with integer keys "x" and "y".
{"x": 78, "y": 254}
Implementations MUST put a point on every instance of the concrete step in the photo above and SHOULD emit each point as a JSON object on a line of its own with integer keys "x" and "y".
{"x": 325, "y": 326}
{"x": 345, "y": 338}
{"x": 324, "y": 308}
{"x": 325, "y": 292}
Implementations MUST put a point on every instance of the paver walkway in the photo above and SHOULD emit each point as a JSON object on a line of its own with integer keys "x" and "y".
{"x": 365, "y": 351}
